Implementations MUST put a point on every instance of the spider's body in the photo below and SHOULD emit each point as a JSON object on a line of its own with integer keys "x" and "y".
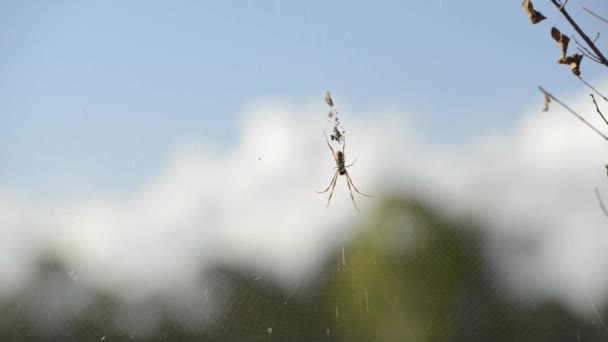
{"x": 339, "y": 158}
{"x": 340, "y": 163}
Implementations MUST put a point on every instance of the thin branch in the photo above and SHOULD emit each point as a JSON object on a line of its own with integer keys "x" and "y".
{"x": 597, "y": 314}
{"x": 599, "y": 200}
{"x": 591, "y": 57}
{"x": 592, "y": 88}
{"x": 580, "y": 32}
{"x": 598, "y": 109}
{"x": 586, "y": 51}
{"x": 583, "y": 47}
{"x": 578, "y": 116}
{"x": 595, "y": 15}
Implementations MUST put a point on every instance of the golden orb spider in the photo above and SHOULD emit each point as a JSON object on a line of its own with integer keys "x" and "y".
{"x": 341, "y": 170}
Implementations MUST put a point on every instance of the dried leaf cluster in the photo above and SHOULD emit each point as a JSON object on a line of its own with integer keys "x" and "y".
{"x": 573, "y": 60}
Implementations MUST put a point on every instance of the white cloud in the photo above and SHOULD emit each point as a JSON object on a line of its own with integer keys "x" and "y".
{"x": 256, "y": 206}
{"x": 535, "y": 188}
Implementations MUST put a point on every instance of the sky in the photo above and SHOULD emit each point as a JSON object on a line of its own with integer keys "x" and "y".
{"x": 191, "y": 127}
{"x": 97, "y": 96}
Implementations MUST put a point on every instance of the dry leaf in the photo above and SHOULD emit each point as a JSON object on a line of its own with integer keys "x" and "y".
{"x": 563, "y": 41}
{"x": 575, "y": 60}
{"x": 328, "y": 99}
{"x": 547, "y": 101}
{"x": 575, "y": 63}
{"x": 535, "y": 16}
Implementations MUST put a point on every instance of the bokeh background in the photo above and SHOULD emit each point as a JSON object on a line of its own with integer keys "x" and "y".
{"x": 159, "y": 162}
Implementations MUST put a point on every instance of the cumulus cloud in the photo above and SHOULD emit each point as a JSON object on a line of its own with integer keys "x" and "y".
{"x": 534, "y": 188}
{"x": 255, "y": 206}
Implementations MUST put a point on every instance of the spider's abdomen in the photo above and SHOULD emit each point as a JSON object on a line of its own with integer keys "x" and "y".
{"x": 340, "y": 163}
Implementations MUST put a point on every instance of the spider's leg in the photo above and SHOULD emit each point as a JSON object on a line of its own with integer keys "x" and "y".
{"x": 332, "y": 188}
{"x": 353, "y": 163}
{"x": 333, "y": 154}
{"x": 333, "y": 180}
{"x": 351, "y": 192}
{"x": 357, "y": 190}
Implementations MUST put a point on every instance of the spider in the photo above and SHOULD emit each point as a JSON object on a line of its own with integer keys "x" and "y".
{"x": 341, "y": 170}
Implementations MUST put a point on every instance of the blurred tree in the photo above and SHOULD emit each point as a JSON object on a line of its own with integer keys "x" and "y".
{"x": 411, "y": 275}
{"x": 415, "y": 276}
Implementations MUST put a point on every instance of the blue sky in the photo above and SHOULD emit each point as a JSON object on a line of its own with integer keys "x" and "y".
{"x": 96, "y": 95}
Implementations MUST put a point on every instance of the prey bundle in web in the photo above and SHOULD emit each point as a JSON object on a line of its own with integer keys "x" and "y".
{"x": 338, "y": 131}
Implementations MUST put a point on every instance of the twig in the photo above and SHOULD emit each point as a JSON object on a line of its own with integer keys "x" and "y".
{"x": 595, "y": 15}
{"x": 591, "y": 57}
{"x": 599, "y": 200}
{"x": 586, "y": 51}
{"x": 595, "y": 90}
{"x": 598, "y": 109}
{"x": 578, "y": 116}
{"x": 580, "y": 32}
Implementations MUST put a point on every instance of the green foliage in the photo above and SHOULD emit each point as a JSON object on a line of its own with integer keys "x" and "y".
{"x": 414, "y": 276}
{"x": 396, "y": 281}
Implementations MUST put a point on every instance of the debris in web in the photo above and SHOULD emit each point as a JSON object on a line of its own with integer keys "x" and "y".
{"x": 338, "y": 131}
{"x": 328, "y": 99}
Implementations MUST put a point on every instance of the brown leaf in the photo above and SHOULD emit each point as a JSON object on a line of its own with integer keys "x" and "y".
{"x": 547, "y": 101}
{"x": 575, "y": 63}
{"x": 328, "y": 99}
{"x": 535, "y": 16}
{"x": 563, "y": 41}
